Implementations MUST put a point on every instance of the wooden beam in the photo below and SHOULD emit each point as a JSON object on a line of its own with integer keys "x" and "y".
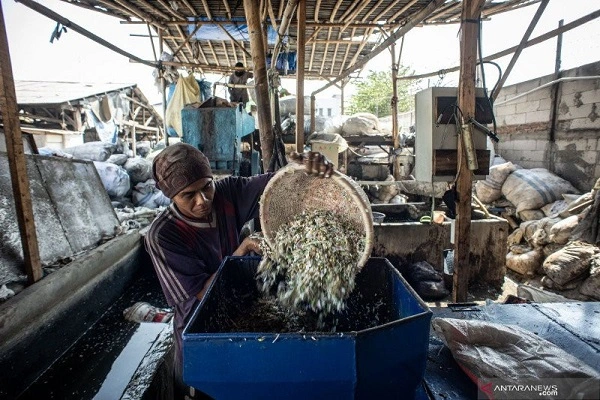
{"x": 136, "y": 11}
{"x": 301, "y": 59}
{"x": 283, "y": 29}
{"x": 325, "y": 52}
{"x": 156, "y": 10}
{"x": 16, "y": 162}
{"x": 226, "y": 52}
{"x": 539, "y": 39}
{"x": 403, "y": 10}
{"x": 317, "y": 8}
{"x": 520, "y": 47}
{"x": 386, "y": 10}
{"x": 163, "y": 91}
{"x": 187, "y": 39}
{"x": 272, "y": 15}
{"x": 444, "y": 10}
{"x": 59, "y": 18}
{"x": 372, "y": 10}
{"x": 466, "y": 101}
{"x": 207, "y": 9}
{"x": 345, "y": 60}
{"x": 257, "y": 48}
{"x": 190, "y": 7}
{"x": 227, "y": 8}
{"x": 212, "y": 50}
{"x": 413, "y": 21}
{"x": 186, "y": 43}
{"x": 394, "y": 102}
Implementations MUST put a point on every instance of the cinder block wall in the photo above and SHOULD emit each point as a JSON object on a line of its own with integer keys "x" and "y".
{"x": 569, "y": 146}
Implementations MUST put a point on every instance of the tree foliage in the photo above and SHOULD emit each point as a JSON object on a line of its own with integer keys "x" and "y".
{"x": 374, "y": 94}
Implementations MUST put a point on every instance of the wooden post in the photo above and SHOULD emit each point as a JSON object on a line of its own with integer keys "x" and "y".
{"x": 394, "y": 102}
{"x": 554, "y": 96}
{"x": 163, "y": 87}
{"x": 471, "y": 10}
{"x": 301, "y": 51}
{"x": 257, "y": 48}
{"x": 133, "y": 140}
{"x": 77, "y": 118}
{"x": 313, "y": 106}
{"x": 344, "y": 82}
{"x": 16, "y": 161}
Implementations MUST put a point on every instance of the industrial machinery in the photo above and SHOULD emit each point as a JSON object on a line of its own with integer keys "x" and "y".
{"x": 223, "y": 134}
{"x": 437, "y": 112}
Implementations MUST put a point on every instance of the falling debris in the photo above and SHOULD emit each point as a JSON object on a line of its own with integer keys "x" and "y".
{"x": 314, "y": 262}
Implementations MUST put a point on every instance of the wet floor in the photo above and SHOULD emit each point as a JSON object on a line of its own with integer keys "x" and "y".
{"x": 101, "y": 363}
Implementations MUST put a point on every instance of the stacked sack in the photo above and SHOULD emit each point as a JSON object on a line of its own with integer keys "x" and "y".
{"x": 126, "y": 179}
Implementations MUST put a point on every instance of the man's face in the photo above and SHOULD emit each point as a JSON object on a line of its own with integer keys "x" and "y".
{"x": 195, "y": 201}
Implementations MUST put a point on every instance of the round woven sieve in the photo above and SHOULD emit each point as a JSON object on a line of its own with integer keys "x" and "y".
{"x": 292, "y": 191}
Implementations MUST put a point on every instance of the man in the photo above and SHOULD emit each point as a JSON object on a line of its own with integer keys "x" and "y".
{"x": 239, "y": 77}
{"x": 188, "y": 241}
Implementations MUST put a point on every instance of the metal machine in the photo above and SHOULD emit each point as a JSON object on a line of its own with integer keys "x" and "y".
{"x": 218, "y": 132}
{"x": 436, "y": 139}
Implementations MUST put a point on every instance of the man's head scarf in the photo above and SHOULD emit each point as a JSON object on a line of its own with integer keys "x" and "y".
{"x": 178, "y": 166}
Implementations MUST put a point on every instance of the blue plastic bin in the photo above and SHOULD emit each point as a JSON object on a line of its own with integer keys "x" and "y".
{"x": 384, "y": 360}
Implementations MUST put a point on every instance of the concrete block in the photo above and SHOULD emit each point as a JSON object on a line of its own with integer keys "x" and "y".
{"x": 569, "y": 87}
{"x": 508, "y": 91}
{"x": 526, "y": 145}
{"x": 545, "y": 104}
{"x": 515, "y": 119}
{"x": 540, "y": 94}
{"x": 537, "y": 116}
{"x": 505, "y": 109}
{"x": 576, "y": 112}
{"x": 528, "y": 85}
{"x": 529, "y": 106}
{"x": 542, "y": 145}
{"x": 575, "y": 143}
{"x": 589, "y": 156}
{"x": 537, "y": 156}
{"x": 590, "y": 96}
{"x": 585, "y": 123}
{"x": 597, "y": 172}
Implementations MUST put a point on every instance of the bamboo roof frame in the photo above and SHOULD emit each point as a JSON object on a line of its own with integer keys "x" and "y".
{"x": 339, "y": 32}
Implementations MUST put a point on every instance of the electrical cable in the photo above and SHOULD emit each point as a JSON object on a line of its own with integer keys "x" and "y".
{"x": 485, "y": 92}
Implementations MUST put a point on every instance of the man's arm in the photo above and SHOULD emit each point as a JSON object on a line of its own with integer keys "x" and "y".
{"x": 200, "y": 295}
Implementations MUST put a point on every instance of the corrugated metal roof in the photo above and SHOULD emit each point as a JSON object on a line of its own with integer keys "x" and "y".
{"x": 44, "y": 92}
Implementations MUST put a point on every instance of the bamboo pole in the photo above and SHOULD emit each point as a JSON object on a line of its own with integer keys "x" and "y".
{"x": 466, "y": 99}
{"x": 539, "y": 39}
{"x": 163, "y": 86}
{"x": 59, "y": 18}
{"x": 16, "y": 161}
{"x": 394, "y": 102}
{"x": 520, "y": 47}
{"x": 257, "y": 49}
{"x": 301, "y": 57}
{"x": 415, "y": 19}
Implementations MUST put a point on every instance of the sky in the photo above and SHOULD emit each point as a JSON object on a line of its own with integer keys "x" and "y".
{"x": 74, "y": 57}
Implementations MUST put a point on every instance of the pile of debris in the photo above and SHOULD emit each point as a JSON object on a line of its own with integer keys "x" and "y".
{"x": 127, "y": 179}
{"x": 551, "y": 242}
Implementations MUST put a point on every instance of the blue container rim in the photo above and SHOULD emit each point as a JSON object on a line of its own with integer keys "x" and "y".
{"x": 296, "y": 335}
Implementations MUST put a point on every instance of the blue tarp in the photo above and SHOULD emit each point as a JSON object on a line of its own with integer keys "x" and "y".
{"x": 239, "y": 31}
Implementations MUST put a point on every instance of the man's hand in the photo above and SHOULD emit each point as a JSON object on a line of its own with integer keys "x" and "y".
{"x": 314, "y": 162}
{"x": 250, "y": 244}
